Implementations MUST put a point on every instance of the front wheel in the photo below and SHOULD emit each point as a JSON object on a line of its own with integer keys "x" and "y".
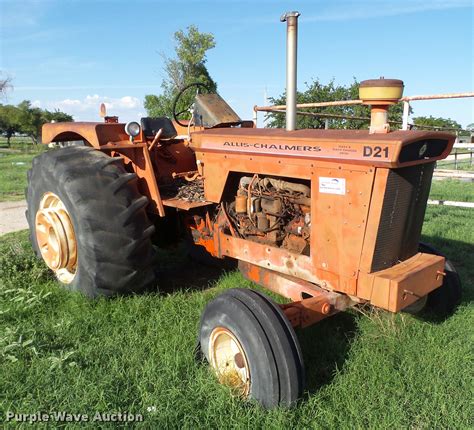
{"x": 88, "y": 222}
{"x": 252, "y": 348}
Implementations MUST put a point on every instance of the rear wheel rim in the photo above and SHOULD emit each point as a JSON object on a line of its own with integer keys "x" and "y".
{"x": 56, "y": 238}
{"x": 229, "y": 361}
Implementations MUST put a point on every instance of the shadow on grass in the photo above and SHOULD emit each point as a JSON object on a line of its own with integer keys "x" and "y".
{"x": 177, "y": 270}
{"x": 325, "y": 348}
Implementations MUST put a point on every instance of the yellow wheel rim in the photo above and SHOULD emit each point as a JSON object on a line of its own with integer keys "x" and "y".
{"x": 56, "y": 238}
{"x": 229, "y": 361}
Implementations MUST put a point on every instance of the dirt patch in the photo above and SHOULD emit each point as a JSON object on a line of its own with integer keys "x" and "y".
{"x": 12, "y": 216}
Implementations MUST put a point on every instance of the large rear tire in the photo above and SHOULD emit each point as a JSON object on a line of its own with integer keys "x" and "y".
{"x": 252, "y": 347}
{"x": 88, "y": 222}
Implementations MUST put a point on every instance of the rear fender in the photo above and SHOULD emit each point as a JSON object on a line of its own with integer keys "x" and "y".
{"x": 112, "y": 139}
{"x": 92, "y": 133}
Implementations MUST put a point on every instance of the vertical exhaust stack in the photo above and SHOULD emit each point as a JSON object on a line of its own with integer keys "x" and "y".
{"x": 291, "y": 19}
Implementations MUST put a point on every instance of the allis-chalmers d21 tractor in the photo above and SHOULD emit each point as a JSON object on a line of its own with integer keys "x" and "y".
{"x": 329, "y": 219}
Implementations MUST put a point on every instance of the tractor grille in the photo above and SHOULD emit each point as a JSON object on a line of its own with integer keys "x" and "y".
{"x": 402, "y": 216}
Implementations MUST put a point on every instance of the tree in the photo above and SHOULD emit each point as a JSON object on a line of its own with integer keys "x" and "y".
{"x": 432, "y": 122}
{"x": 5, "y": 84}
{"x": 319, "y": 92}
{"x": 9, "y": 121}
{"x": 189, "y": 65}
{"x": 27, "y": 120}
{"x": 32, "y": 119}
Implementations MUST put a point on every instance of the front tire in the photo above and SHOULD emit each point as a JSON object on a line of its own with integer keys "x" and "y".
{"x": 106, "y": 248}
{"x": 252, "y": 347}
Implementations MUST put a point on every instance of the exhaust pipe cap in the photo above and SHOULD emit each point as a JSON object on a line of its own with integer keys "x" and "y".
{"x": 286, "y": 15}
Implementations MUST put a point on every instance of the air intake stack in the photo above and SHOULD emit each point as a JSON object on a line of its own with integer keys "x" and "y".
{"x": 380, "y": 94}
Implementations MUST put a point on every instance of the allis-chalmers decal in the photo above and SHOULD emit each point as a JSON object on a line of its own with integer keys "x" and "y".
{"x": 272, "y": 146}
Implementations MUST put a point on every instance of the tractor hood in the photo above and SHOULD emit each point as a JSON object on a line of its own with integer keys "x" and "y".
{"x": 395, "y": 149}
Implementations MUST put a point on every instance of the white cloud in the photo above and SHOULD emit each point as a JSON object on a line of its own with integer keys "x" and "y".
{"x": 69, "y": 102}
{"x": 87, "y": 108}
{"x": 129, "y": 102}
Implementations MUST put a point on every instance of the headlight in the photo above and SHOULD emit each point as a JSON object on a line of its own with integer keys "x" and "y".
{"x": 132, "y": 128}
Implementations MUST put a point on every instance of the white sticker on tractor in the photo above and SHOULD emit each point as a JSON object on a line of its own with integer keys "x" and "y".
{"x": 332, "y": 185}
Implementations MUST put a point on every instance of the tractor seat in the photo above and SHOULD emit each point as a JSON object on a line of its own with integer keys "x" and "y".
{"x": 150, "y": 127}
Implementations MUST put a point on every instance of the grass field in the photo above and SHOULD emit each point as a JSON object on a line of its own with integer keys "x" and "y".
{"x": 14, "y": 163}
{"x": 62, "y": 352}
{"x": 451, "y": 189}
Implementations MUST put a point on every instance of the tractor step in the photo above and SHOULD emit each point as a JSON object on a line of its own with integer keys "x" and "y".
{"x": 184, "y": 204}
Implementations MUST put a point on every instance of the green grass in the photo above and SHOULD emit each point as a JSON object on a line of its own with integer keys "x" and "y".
{"x": 14, "y": 163}
{"x": 451, "y": 189}
{"x": 60, "y": 351}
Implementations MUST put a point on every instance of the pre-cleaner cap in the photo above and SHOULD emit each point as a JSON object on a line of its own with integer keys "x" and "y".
{"x": 381, "y": 90}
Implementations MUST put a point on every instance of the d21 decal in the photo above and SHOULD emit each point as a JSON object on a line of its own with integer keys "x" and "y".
{"x": 375, "y": 151}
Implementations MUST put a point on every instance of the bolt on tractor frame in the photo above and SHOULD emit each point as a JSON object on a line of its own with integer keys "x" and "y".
{"x": 329, "y": 219}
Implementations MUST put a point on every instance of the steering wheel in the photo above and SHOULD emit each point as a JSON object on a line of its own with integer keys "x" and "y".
{"x": 176, "y": 115}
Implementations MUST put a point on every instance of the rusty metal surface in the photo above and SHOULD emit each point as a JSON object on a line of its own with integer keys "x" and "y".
{"x": 190, "y": 191}
{"x": 437, "y": 96}
{"x": 290, "y": 287}
{"x": 183, "y": 204}
{"x": 345, "y": 224}
{"x": 345, "y": 146}
{"x": 358, "y": 102}
{"x": 335, "y": 245}
{"x": 212, "y": 110}
{"x": 137, "y": 159}
{"x": 382, "y": 82}
{"x": 309, "y": 311}
{"x": 308, "y": 105}
{"x": 203, "y": 232}
{"x": 152, "y": 167}
{"x": 310, "y": 302}
{"x": 94, "y": 133}
{"x": 184, "y": 194}
{"x": 270, "y": 257}
{"x": 402, "y": 284}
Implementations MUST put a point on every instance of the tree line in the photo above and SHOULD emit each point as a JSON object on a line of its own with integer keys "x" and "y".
{"x": 189, "y": 65}
{"x": 27, "y": 120}
{"x": 317, "y": 91}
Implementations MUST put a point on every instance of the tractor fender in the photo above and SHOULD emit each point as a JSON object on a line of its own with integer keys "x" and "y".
{"x": 94, "y": 134}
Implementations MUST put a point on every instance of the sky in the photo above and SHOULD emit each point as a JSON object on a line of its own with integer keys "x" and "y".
{"x": 74, "y": 54}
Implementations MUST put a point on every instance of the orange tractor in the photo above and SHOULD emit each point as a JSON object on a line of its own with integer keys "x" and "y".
{"x": 329, "y": 219}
